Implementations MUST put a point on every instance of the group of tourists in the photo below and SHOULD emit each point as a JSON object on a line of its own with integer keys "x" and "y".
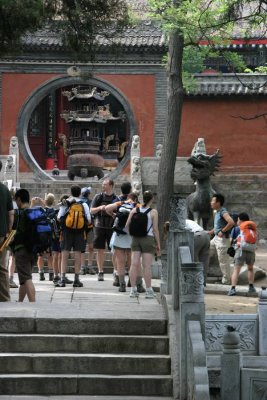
{"x": 36, "y": 228}
{"x": 234, "y": 236}
{"x": 119, "y": 224}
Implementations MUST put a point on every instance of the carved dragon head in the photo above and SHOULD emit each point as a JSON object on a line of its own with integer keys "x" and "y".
{"x": 204, "y": 165}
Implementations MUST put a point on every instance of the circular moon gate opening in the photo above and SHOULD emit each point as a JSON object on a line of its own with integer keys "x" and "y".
{"x": 83, "y": 128}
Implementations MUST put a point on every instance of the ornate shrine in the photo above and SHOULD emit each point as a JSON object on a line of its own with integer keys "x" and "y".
{"x": 97, "y": 137}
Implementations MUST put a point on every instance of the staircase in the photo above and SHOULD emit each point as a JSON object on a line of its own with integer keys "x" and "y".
{"x": 42, "y": 355}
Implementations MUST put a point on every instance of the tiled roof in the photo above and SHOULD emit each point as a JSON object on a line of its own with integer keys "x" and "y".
{"x": 141, "y": 37}
{"x": 230, "y": 84}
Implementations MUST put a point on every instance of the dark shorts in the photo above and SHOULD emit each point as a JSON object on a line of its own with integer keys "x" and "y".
{"x": 72, "y": 240}
{"x": 102, "y": 237}
{"x": 25, "y": 262}
{"x": 145, "y": 244}
{"x": 244, "y": 257}
{"x": 56, "y": 245}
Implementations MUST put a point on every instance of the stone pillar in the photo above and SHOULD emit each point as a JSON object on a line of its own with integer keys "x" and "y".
{"x": 262, "y": 311}
{"x": 231, "y": 363}
{"x": 164, "y": 273}
{"x": 136, "y": 175}
{"x": 14, "y": 152}
{"x": 192, "y": 307}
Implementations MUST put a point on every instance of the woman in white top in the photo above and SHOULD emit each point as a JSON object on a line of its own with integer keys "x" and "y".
{"x": 144, "y": 247}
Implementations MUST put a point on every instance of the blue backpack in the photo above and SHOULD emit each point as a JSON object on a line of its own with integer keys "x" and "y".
{"x": 40, "y": 236}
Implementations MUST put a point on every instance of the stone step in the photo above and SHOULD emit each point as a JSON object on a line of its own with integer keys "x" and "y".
{"x": 107, "y": 364}
{"x": 59, "y": 188}
{"x": 95, "y": 325}
{"x": 72, "y": 384}
{"x": 112, "y": 344}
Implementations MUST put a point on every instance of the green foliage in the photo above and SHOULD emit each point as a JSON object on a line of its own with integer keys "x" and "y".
{"x": 19, "y": 16}
{"x": 262, "y": 69}
{"x": 79, "y": 21}
{"x": 211, "y": 22}
{"x": 84, "y": 20}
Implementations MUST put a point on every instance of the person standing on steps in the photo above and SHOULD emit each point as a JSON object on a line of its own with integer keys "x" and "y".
{"x": 6, "y": 223}
{"x": 24, "y": 257}
{"x": 103, "y": 223}
{"x": 75, "y": 216}
{"x": 85, "y": 193}
{"x": 121, "y": 240}
{"x": 223, "y": 224}
{"x": 145, "y": 244}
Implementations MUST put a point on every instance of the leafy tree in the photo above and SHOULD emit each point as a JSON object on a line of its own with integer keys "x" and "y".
{"x": 187, "y": 23}
{"x": 17, "y": 17}
{"x": 78, "y": 21}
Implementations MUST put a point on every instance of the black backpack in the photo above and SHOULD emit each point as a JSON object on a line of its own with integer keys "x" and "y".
{"x": 54, "y": 223}
{"x": 138, "y": 224}
{"x": 121, "y": 218}
{"x": 39, "y": 239}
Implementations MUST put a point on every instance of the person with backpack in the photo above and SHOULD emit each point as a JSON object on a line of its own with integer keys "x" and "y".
{"x": 74, "y": 216}
{"x": 85, "y": 193}
{"x": 6, "y": 222}
{"x": 52, "y": 254}
{"x": 245, "y": 248}
{"x": 121, "y": 240}
{"x": 25, "y": 258}
{"x": 220, "y": 243}
{"x": 143, "y": 227}
{"x": 103, "y": 223}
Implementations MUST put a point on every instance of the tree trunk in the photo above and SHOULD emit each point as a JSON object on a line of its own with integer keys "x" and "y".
{"x": 171, "y": 137}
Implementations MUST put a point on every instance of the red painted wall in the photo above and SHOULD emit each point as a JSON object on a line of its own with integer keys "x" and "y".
{"x": 242, "y": 143}
{"x": 16, "y": 88}
{"x": 138, "y": 89}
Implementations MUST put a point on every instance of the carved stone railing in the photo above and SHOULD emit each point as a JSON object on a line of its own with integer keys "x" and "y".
{"x": 183, "y": 283}
{"x": 197, "y": 373}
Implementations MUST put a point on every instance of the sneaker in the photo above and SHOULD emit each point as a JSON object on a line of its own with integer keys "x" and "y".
{"x": 91, "y": 271}
{"x": 251, "y": 289}
{"x": 134, "y": 292}
{"x": 232, "y": 292}
{"x": 77, "y": 283}
{"x": 100, "y": 276}
{"x": 42, "y": 276}
{"x": 116, "y": 281}
{"x": 51, "y": 276}
{"x": 150, "y": 294}
{"x": 60, "y": 283}
{"x": 67, "y": 280}
{"x": 12, "y": 284}
{"x": 140, "y": 288}
{"x": 56, "y": 279}
{"x": 83, "y": 270}
{"x": 122, "y": 287}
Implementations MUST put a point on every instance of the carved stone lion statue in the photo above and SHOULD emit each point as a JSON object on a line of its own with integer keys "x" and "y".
{"x": 198, "y": 203}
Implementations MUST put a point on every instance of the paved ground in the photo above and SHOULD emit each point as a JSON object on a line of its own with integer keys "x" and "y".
{"x": 103, "y": 297}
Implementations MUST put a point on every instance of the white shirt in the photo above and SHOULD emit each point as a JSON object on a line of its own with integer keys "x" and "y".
{"x": 192, "y": 226}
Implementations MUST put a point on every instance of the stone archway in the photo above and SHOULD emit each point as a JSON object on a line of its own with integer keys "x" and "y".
{"x": 44, "y": 90}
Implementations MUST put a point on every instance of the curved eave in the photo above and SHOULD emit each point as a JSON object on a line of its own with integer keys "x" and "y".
{"x": 230, "y": 85}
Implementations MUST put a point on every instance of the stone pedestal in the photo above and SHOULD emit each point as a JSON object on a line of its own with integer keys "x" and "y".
{"x": 231, "y": 363}
{"x": 262, "y": 311}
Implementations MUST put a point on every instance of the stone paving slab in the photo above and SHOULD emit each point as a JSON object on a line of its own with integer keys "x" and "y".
{"x": 94, "y": 301}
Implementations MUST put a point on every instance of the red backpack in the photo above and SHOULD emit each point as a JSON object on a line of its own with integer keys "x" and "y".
{"x": 248, "y": 236}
